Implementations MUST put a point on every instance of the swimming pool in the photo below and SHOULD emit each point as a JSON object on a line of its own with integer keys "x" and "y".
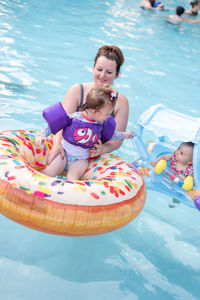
{"x": 46, "y": 46}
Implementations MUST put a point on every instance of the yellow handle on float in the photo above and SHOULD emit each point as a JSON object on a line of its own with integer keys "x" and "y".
{"x": 160, "y": 166}
{"x": 188, "y": 183}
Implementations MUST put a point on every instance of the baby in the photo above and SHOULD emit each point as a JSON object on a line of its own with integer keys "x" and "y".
{"x": 180, "y": 160}
{"x": 81, "y": 130}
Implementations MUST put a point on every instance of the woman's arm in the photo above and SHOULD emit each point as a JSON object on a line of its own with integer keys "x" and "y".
{"x": 70, "y": 103}
{"x": 57, "y": 148}
{"x": 121, "y": 117}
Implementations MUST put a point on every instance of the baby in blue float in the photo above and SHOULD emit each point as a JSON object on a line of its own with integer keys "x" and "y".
{"x": 81, "y": 130}
{"x": 180, "y": 161}
{"x": 175, "y": 173}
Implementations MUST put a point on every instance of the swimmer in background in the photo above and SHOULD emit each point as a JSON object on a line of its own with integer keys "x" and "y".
{"x": 85, "y": 129}
{"x": 157, "y": 4}
{"x": 152, "y": 4}
{"x": 193, "y": 12}
{"x": 176, "y": 19}
{"x": 181, "y": 160}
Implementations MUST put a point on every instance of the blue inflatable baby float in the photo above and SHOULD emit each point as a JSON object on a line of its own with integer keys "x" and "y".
{"x": 170, "y": 128}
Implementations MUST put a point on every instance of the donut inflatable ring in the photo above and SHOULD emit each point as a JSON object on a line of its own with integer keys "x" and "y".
{"x": 111, "y": 194}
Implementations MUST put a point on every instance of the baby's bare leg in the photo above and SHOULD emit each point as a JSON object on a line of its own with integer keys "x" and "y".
{"x": 77, "y": 169}
{"x": 55, "y": 167}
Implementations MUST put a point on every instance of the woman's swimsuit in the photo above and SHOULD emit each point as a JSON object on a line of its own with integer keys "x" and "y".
{"x": 82, "y": 96}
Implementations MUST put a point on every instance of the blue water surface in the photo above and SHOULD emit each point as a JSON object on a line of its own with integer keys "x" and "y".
{"x": 45, "y": 47}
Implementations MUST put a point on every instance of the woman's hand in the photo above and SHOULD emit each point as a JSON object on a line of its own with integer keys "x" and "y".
{"x": 96, "y": 150}
{"x": 54, "y": 152}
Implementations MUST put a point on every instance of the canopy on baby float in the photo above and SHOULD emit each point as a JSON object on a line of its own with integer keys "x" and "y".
{"x": 177, "y": 127}
{"x": 166, "y": 122}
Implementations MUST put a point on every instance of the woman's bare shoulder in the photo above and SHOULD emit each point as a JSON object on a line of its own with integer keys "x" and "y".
{"x": 122, "y": 100}
{"x": 121, "y": 112}
{"x": 72, "y": 98}
{"x": 75, "y": 87}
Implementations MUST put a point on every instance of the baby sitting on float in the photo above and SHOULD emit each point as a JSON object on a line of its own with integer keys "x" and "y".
{"x": 81, "y": 131}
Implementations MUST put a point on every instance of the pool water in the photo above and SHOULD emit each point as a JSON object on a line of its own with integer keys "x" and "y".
{"x": 45, "y": 47}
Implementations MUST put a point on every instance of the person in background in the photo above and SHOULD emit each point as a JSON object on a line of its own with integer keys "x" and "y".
{"x": 176, "y": 19}
{"x": 157, "y": 4}
{"x": 152, "y": 4}
{"x": 193, "y": 11}
{"x": 106, "y": 69}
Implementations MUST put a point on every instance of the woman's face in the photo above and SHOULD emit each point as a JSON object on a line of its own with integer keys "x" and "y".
{"x": 104, "y": 71}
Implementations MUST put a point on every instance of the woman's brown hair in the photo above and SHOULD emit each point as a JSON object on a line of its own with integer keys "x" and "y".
{"x": 112, "y": 53}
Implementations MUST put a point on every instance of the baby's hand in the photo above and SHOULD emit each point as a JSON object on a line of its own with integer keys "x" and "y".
{"x": 39, "y": 140}
{"x": 153, "y": 163}
{"x": 181, "y": 176}
{"x": 129, "y": 134}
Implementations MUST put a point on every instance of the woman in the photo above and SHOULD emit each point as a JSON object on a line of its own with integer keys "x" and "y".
{"x": 194, "y": 10}
{"x": 106, "y": 69}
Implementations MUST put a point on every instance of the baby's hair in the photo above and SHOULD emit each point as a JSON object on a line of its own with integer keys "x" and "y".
{"x": 98, "y": 97}
{"x": 189, "y": 144}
